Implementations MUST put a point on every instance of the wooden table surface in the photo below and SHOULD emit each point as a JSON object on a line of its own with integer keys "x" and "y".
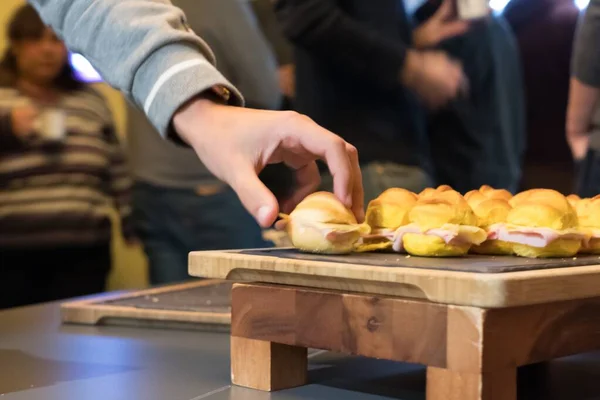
{"x": 441, "y": 280}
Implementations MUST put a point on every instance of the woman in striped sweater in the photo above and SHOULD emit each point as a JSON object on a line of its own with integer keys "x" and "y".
{"x": 61, "y": 173}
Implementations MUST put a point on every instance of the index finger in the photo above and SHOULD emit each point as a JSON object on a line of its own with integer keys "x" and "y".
{"x": 358, "y": 195}
{"x": 325, "y": 145}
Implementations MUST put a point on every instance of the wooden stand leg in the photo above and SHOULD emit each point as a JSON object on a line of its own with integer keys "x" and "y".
{"x": 444, "y": 384}
{"x": 267, "y": 366}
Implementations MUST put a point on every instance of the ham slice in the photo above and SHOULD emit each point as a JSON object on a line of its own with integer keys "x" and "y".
{"x": 450, "y": 233}
{"x": 380, "y": 234}
{"x": 532, "y": 236}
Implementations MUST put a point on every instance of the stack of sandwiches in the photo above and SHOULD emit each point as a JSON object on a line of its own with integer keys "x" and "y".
{"x": 440, "y": 222}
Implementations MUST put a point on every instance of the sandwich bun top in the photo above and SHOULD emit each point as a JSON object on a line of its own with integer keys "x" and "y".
{"x": 323, "y": 207}
{"x": 543, "y": 208}
{"x": 442, "y": 207}
{"x": 588, "y": 212}
{"x": 490, "y": 205}
{"x": 492, "y": 193}
{"x": 474, "y": 197}
{"x": 491, "y": 211}
{"x": 573, "y": 199}
{"x": 432, "y": 191}
{"x": 390, "y": 209}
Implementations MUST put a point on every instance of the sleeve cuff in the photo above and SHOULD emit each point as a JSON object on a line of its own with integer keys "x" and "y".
{"x": 172, "y": 76}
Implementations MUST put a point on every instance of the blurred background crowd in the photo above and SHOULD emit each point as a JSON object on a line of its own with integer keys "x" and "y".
{"x": 92, "y": 199}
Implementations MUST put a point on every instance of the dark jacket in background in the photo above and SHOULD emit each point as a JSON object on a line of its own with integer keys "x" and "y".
{"x": 545, "y": 30}
{"x": 272, "y": 30}
{"x": 480, "y": 137}
{"x": 348, "y": 56}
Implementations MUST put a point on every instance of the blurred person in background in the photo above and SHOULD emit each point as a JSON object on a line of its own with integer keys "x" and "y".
{"x": 357, "y": 75}
{"x": 61, "y": 172}
{"x": 583, "y": 113}
{"x": 179, "y": 206}
{"x": 479, "y": 138}
{"x": 545, "y": 30}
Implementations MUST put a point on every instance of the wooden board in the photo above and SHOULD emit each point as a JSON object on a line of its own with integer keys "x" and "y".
{"x": 487, "y": 290}
{"x": 471, "y": 263}
{"x": 203, "y": 304}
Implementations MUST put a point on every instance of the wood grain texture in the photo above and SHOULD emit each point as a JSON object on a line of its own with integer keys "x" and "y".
{"x": 396, "y": 329}
{"x": 267, "y": 366}
{"x": 447, "y": 287}
{"x": 94, "y": 310}
{"x": 472, "y": 353}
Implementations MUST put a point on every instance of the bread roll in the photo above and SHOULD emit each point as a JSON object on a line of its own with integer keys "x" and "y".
{"x": 322, "y": 224}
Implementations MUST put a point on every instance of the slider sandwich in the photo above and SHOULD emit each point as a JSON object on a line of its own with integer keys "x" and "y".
{"x": 541, "y": 223}
{"x": 322, "y": 224}
{"x": 490, "y": 211}
{"x": 441, "y": 224}
{"x": 385, "y": 215}
{"x": 588, "y": 213}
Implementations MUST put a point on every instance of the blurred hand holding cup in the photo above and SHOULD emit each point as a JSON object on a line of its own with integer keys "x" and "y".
{"x": 50, "y": 124}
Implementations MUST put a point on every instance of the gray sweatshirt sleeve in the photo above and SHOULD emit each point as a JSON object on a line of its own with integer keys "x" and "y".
{"x": 144, "y": 48}
{"x": 245, "y": 57}
{"x": 586, "y": 52}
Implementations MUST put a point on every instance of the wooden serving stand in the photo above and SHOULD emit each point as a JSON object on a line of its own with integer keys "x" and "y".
{"x": 472, "y": 321}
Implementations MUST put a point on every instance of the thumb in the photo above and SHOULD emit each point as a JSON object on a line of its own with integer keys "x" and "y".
{"x": 254, "y": 195}
{"x": 444, "y": 11}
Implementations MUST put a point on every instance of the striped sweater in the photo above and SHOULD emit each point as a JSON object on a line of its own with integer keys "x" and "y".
{"x": 63, "y": 195}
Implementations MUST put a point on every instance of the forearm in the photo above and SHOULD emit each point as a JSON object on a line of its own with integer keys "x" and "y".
{"x": 141, "y": 47}
{"x": 321, "y": 28}
{"x": 583, "y": 100}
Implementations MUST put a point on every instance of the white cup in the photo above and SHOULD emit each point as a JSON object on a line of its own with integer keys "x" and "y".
{"x": 51, "y": 124}
{"x": 472, "y": 9}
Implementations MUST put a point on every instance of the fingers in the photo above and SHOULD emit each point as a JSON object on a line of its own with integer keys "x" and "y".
{"x": 358, "y": 196}
{"x": 451, "y": 29}
{"x": 321, "y": 143}
{"x": 254, "y": 195}
{"x": 342, "y": 171}
{"x": 444, "y": 11}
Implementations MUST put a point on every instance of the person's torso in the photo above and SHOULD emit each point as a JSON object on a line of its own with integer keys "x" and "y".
{"x": 58, "y": 192}
{"x": 383, "y": 126}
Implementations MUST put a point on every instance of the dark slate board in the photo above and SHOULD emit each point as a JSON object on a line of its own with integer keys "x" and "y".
{"x": 470, "y": 263}
{"x": 210, "y": 298}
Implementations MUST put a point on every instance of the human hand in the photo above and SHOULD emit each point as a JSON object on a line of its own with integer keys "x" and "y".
{"x": 434, "y": 76}
{"x": 579, "y": 144}
{"x": 235, "y": 144}
{"x": 23, "y": 121}
{"x": 583, "y": 99}
{"x": 439, "y": 28}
